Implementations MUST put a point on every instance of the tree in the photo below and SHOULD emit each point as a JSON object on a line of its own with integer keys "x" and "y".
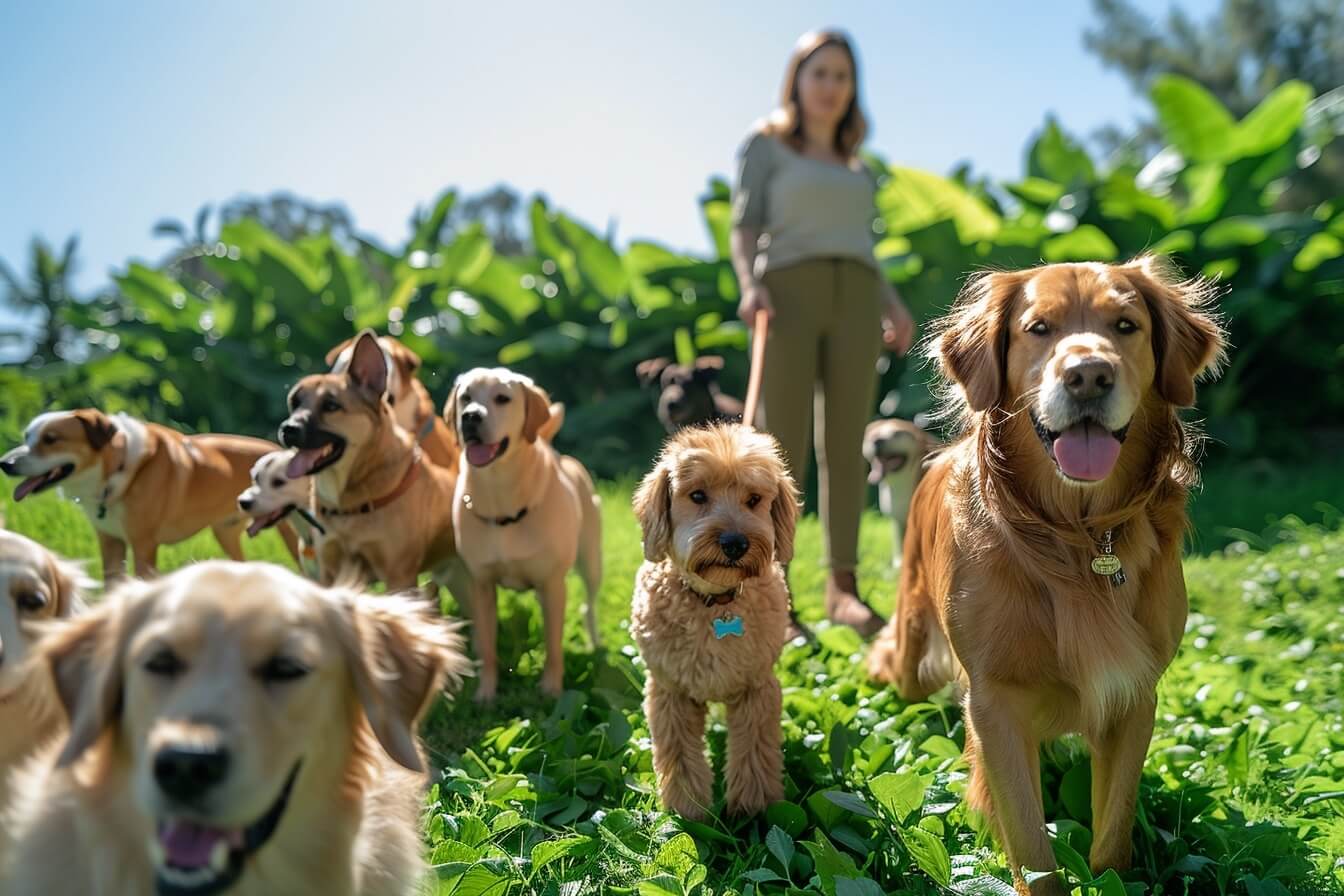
{"x": 1240, "y": 54}
{"x": 46, "y": 292}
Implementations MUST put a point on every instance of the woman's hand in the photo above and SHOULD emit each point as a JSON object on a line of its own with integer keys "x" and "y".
{"x": 755, "y": 298}
{"x": 898, "y": 327}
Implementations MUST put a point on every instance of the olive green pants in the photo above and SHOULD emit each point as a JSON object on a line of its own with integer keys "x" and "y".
{"x": 820, "y": 382}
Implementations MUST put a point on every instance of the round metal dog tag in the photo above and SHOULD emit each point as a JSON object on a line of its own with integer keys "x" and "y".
{"x": 1106, "y": 565}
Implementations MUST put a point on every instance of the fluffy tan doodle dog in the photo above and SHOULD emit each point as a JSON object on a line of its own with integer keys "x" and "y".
{"x": 896, "y": 450}
{"x": 139, "y": 483}
{"x": 524, "y": 514}
{"x": 235, "y": 729}
{"x": 1044, "y": 563}
{"x": 35, "y": 586}
{"x": 711, "y": 608}
{"x": 412, "y": 406}
{"x": 386, "y": 511}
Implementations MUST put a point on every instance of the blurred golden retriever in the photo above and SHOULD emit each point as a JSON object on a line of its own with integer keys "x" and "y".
{"x": 1043, "y": 565}
{"x": 235, "y": 727}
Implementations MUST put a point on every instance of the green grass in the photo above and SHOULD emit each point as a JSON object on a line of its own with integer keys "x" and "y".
{"x": 1243, "y": 791}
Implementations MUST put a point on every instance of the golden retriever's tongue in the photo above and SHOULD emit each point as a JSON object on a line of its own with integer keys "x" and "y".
{"x": 302, "y": 463}
{"x": 479, "y": 453}
{"x": 189, "y": 846}
{"x": 1086, "y": 451}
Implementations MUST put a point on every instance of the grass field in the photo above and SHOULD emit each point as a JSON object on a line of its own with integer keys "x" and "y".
{"x": 1243, "y": 791}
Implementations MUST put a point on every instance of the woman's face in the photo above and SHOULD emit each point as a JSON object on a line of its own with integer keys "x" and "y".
{"x": 826, "y": 86}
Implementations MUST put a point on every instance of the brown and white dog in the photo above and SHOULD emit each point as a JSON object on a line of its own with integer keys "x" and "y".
{"x": 35, "y": 586}
{"x": 896, "y": 451}
{"x": 234, "y": 728}
{"x": 387, "y": 512}
{"x": 524, "y": 514}
{"x": 139, "y": 483}
{"x": 711, "y": 610}
{"x": 412, "y": 406}
{"x": 1043, "y": 569}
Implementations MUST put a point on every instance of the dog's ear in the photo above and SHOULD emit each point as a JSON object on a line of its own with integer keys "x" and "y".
{"x": 538, "y": 410}
{"x": 368, "y": 364}
{"x": 87, "y": 659}
{"x": 336, "y": 352}
{"x": 400, "y": 658}
{"x": 707, "y": 368}
{"x": 653, "y": 508}
{"x": 68, "y": 583}
{"x": 972, "y": 343}
{"x": 98, "y": 429}
{"x": 407, "y": 361}
{"x": 784, "y": 514}
{"x": 1187, "y": 340}
{"x": 450, "y": 407}
{"x": 651, "y": 371}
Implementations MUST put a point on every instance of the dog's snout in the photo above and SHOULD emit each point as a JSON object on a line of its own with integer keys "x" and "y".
{"x": 9, "y": 464}
{"x": 1088, "y": 377}
{"x": 246, "y": 502}
{"x": 189, "y": 773}
{"x": 733, "y": 545}
{"x": 472, "y": 416}
{"x": 291, "y": 433}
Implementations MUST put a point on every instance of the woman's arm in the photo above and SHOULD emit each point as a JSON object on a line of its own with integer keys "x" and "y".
{"x": 755, "y": 296}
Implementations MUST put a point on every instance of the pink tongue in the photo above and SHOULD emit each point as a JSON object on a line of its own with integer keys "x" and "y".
{"x": 188, "y": 846}
{"x": 27, "y": 486}
{"x": 1086, "y": 451}
{"x": 875, "y": 471}
{"x": 479, "y": 453}
{"x": 302, "y": 463}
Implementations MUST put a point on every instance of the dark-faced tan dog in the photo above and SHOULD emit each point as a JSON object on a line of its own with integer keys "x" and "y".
{"x": 896, "y": 450}
{"x": 688, "y": 394}
{"x": 412, "y": 406}
{"x": 385, "y": 509}
{"x": 35, "y": 586}
{"x": 235, "y": 728}
{"x": 524, "y": 514}
{"x": 139, "y": 483}
{"x": 1043, "y": 567}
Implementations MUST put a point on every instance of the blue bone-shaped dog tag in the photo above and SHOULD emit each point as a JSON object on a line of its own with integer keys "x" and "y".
{"x": 727, "y": 625}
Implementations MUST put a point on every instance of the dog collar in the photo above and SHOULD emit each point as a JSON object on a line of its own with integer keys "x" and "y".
{"x": 370, "y": 506}
{"x": 493, "y": 520}
{"x": 710, "y": 598}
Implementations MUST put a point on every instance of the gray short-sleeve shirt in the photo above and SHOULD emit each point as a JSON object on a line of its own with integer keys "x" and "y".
{"x": 803, "y": 207}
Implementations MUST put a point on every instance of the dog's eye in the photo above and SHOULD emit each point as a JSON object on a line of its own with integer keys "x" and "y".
{"x": 281, "y": 669}
{"x": 1125, "y": 325}
{"x": 30, "y": 601}
{"x": 329, "y": 406}
{"x": 698, "y": 496}
{"x": 1040, "y": 328}
{"x": 164, "y": 663}
{"x": 49, "y": 438}
{"x": 278, "y": 483}
{"x": 752, "y": 501}
{"x": 502, "y": 399}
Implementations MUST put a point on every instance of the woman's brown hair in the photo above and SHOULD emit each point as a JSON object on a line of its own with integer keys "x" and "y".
{"x": 786, "y": 122}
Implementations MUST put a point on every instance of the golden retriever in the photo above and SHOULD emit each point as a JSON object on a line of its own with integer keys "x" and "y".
{"x": 235, "y": 727}
{"x": 523, "y": 514}
{"x": 1043, "y": 566}
{"x": 35, "y": 586}
{"x": 139, "y": 483}
{"x": 711, "y": 609}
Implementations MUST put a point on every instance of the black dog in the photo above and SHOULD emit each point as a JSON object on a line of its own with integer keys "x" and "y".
{"x": 690, "y": 393}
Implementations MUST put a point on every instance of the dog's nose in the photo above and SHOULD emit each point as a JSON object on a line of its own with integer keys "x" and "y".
{"x": 472, "y": 417}
{"x": 7, "y": 467}
{"x": 733, "y": 544}
{"x": 245, "y": 503}
{"x": 189, "y": 773}
{"x": 9, "y": 464}
{"x": 1088, "y": 377}
{"x": 291, "y": 434}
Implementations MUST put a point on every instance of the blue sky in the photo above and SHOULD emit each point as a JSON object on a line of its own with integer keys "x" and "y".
{"x": 117, "y": 115}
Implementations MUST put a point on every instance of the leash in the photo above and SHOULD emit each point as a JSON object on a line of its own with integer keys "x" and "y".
{"x": 760, "y": 332}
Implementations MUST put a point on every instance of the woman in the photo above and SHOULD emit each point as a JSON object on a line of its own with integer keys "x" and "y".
{"x": 802, "y": 243}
